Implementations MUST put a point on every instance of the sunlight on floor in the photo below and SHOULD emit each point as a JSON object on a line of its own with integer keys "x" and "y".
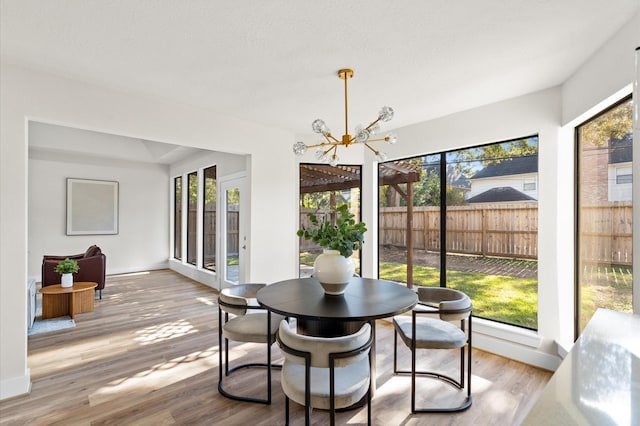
{"x": 157, "y": 376}
{"x": 162, "y": 332}
{"x": 206, "y": 301}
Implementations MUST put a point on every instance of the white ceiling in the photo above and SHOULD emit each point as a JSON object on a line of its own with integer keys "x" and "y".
{"x": 276, "y": 61}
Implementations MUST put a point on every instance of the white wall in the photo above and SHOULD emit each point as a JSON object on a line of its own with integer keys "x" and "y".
{"x": 28, "y": 95}
{"x": 608, "y": 70}
{"x": 143, "y": 213}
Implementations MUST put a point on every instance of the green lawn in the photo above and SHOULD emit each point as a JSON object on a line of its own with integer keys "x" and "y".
{"x": 507, "y": 299}
{"x": 515, "y": 300}
{"x": 502, "y": 298}
{"x": 605, "y": 286}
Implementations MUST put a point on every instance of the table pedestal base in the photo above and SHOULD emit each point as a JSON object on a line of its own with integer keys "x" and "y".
{"x": 328, "y": 328}
{"x": 58, "y": 301}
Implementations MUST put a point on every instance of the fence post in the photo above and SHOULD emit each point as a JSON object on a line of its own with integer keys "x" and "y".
{"x": 484, "y": 241}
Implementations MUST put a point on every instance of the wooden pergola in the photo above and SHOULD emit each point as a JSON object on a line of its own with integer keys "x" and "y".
{"x": 323, "y": 178}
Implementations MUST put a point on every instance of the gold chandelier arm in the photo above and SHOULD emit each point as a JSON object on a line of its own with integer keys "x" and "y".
{"x": 375, "y": 151}
{"x": 329, "y": 137}
{"x": 317, "y": 145}
{"x": 373, "y": 123}
{"x": 385, "y": 139}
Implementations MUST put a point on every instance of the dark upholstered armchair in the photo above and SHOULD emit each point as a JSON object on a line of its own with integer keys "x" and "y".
{"x": 93, "y": 265}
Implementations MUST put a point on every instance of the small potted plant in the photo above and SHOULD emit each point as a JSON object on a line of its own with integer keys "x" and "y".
{"x": 334, "y": 267}
{"x": 67, "y": 268}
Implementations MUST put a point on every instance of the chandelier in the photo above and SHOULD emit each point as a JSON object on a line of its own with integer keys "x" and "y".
{"x": 327, "y": 150}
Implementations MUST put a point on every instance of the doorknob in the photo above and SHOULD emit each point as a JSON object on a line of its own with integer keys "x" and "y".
{"x": 244, "y": 247}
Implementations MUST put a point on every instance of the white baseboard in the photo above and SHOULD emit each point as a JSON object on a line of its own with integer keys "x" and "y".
{"x": 15, "y": 386}
{"x": 131, "y": 269}
{"x": 208, "y": 278}
{"x": 516, "y": 351}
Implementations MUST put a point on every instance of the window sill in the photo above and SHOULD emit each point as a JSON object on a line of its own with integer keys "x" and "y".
{"x": 510, "y": 333}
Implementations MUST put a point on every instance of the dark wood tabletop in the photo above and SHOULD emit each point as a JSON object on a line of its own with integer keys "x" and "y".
{"x": 318, "y": 314}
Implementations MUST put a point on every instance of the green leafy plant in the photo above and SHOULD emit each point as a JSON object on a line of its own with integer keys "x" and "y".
{"x": 346, "y": 235}
{"x": 67, "y": 266}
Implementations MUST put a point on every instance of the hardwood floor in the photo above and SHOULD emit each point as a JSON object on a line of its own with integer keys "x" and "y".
{"x": 148, "y": 355}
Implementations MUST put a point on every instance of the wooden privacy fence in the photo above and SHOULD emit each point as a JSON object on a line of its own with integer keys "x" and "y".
{"x": 606, "y": 233}
{"x": 497, "y": 230}
{"x": 509, "y": 230}
{"x": 506, "y": 230}
{"x": 209, "y": 225}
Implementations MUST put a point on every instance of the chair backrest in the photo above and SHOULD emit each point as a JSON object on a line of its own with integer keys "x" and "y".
{"x": 452, "y": 304}
{"x": 320, "y": 348}
{"x": 236, "y": 299}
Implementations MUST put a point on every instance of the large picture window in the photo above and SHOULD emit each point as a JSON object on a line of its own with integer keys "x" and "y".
{"x": 322, "y": 188}
{"x": 466, "y": 219}
{"x": 177, "y": 218}
{"x": 209, "y": 219}
{"x": 604, "y": 267}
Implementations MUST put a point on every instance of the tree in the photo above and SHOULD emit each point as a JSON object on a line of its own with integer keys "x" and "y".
{"x": 493, "y": 153}
{"x": 322, "y": 200}
{"x": 614, "y": 124}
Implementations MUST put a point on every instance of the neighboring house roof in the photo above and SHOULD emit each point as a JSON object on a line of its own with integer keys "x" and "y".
{"x": 512, "y": 166}
{"x": 462, "y": 183}
{"x": 500, "y": 194}
{"x": 621, "y": 150}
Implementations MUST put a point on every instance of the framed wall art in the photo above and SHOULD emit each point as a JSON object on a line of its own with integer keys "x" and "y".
{"x": 92, "y": 207}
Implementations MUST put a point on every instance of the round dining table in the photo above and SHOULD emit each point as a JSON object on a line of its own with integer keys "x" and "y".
{"x": 319, "y": 314}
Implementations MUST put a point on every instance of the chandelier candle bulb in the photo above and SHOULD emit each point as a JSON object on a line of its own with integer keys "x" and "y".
{"x": 328, "y": 149}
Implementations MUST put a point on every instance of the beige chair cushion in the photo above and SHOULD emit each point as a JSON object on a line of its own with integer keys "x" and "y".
{"x": 251, "y": 327}
{"x": 240, "y": 295}
{"x": 351, "y": 374}
{"x": 321, "y": 347}
{"x": 352, "y": 383}
{"x": 447, "y": 300}
{"x": 430, "y": 333}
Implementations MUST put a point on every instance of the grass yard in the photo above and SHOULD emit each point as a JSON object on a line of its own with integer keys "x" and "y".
{"x": 508, "y": 298}
{"x": 605, "y": 286}
{"x": 501, "y": 298}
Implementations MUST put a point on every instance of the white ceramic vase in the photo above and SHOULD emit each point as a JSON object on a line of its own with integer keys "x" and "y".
{"x": 67, "y": 280}
{"x": 334, "y": 271}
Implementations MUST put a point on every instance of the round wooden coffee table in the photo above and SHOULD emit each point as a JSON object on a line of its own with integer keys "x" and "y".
{"x": 58, "y": 301}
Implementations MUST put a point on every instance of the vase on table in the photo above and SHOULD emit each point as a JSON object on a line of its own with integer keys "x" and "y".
{"x": 333, "y": 271}
{"x": 67, "y": 280}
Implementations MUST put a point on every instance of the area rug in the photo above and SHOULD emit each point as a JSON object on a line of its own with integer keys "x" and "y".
{"x": 49, "y": 325}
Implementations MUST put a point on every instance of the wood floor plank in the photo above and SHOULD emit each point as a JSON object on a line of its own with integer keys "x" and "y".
{"x": 148, "y": 355}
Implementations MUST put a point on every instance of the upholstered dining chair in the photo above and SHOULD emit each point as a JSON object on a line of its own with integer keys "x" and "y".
{"x": 327, "y": 373}
{"x": 422, "y": 331}
{"x": 241, "y": 319}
